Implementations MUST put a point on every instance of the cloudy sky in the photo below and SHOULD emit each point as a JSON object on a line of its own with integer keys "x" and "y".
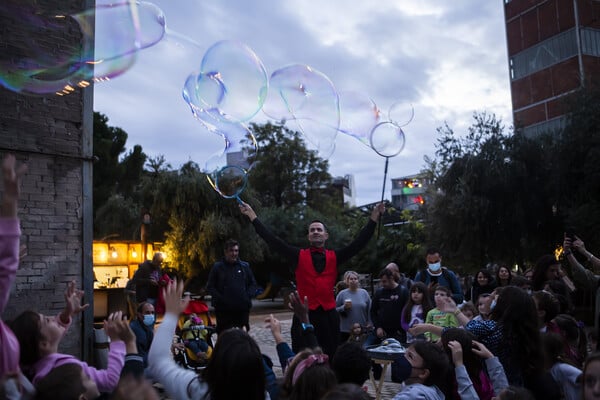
{"x": 447, "y": 59}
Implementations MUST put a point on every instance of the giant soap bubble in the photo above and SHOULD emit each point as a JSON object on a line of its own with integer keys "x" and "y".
{"x": 73, "y": 58}
{"x": 306, "y": 99}
{"x": 232, "y": 79}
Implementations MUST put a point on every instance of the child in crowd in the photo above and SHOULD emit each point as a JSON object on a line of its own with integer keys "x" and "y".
{"x": 547, "y": 307}
{"x": 235, "y": 370}
{"x": 416, "y": 308}
{"x": 574, "y": 339}
{"x": 40, "y": 335}
{"x": 194, "y": 335}
{"x": 70, "y": 381}
{"x": 483, "y": 306}
{"x": 564, "y": 373}
{"x": 472, "y": 378}
{"x": 67, "y": 382}
{"x": 424, "y": 368}
{"x": 438, "y": 317}
{"x": 590, "y": 378}
{"x": 468, "y": 309}
{"x": 357, "y": 334}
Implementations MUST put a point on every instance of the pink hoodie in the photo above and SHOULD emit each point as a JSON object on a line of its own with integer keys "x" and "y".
{"x": 9, "y": 261}
{"x": 106, "y": 379}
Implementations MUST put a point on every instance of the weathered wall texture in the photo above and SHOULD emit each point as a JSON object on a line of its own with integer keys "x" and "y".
{"x": 52, "y": 135}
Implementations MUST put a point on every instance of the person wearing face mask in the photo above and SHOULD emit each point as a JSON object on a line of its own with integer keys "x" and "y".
{"x": 435, "y": 275}
{"x": 423, "y": 369}
{"x": 143, "y": 327}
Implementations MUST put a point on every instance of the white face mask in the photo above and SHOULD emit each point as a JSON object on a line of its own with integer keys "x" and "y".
{"x": 435, "y": 267}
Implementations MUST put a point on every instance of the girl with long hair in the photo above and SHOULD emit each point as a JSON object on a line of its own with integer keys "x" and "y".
{"x": 416, "y": 308}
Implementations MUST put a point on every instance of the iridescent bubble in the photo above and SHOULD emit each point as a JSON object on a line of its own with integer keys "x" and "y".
{"x": 359, "y": 114}
{"x": 231, "y": 79}
{"x": 387, "y": 139}
{"x": 307, "y": 99}
{"x": 72, "y": 59}
{"x": 230, "y": 182}
{"x": 239, "y": 140}
{"x": 401, "y": 113}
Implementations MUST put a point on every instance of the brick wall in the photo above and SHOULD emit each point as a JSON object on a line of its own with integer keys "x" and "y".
{"x": 52, "y": 135}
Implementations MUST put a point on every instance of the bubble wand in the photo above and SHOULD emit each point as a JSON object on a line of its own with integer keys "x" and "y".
{"x": 387, "y": 140}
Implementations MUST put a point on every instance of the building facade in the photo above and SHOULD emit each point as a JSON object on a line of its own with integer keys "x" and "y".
{"x": 53, "y": 135}
{"x": 553, "y": 50}
{"x": 408, "y": 192}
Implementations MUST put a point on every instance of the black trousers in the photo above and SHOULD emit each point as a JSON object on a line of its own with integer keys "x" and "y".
{"x": 327, "y": 330}
{"x": 232, "y": 319}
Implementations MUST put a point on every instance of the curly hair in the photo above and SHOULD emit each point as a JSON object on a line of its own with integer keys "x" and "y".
{"x": 541, "y": 267}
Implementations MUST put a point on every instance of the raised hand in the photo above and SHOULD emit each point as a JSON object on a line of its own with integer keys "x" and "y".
{"x": 12, "y": 179}
{"x": 377, "y": 211}
{"x": 299, "y": 307}
{"x": 480, "y": 349}
{"x": 117, "y": 328}
{"x": 247, "y": 211}
{"x": 73, "y": 299}
{"x": 174, "y": 303}
{"x": 457, "y": 352}
{"x": 449, "y": 305}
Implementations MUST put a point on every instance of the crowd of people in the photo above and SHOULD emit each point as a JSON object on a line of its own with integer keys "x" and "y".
{"x": 504, "y": 336}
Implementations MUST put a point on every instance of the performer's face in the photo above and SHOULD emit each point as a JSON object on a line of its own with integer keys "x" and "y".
{"x": 317, "y": 235}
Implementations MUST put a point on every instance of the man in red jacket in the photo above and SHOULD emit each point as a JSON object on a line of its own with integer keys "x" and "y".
{"x": 316, "y": 272}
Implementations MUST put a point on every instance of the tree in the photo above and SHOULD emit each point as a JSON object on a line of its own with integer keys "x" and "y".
{"x": 491, "y": 199}
{"x": 297, "y": 169}
{"x": 109, "y": 144}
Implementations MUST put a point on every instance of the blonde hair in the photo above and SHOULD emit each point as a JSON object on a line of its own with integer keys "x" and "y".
{"x": 348, "y": 274}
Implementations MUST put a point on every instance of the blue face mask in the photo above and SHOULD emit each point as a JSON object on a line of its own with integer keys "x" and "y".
{"x": 493, "y": 305}
{"x": 149, "y": 319}
{"x": 435, "y": 267}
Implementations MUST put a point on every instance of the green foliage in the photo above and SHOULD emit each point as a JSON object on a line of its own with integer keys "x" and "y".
{"x": 501, "y": 197}
{"x": 286, "y": 172}
{"x": 109, "y": 144}
{"x": 118, "y": 215}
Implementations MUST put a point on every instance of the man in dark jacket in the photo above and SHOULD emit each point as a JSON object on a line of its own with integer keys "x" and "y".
{"x": 231, "y": 285}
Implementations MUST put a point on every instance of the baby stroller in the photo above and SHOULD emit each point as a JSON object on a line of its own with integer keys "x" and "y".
{"x": 201, "y": 330}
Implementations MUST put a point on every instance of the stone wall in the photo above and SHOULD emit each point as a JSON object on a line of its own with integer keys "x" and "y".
{"x": 52, "y": 134}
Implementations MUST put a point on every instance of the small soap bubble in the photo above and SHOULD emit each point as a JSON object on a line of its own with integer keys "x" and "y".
{"x": 387, "y": 139}
{"x": 401, "y": 113}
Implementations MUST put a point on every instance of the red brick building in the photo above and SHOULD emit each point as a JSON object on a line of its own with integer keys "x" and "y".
{"x": 553, "y": 50}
